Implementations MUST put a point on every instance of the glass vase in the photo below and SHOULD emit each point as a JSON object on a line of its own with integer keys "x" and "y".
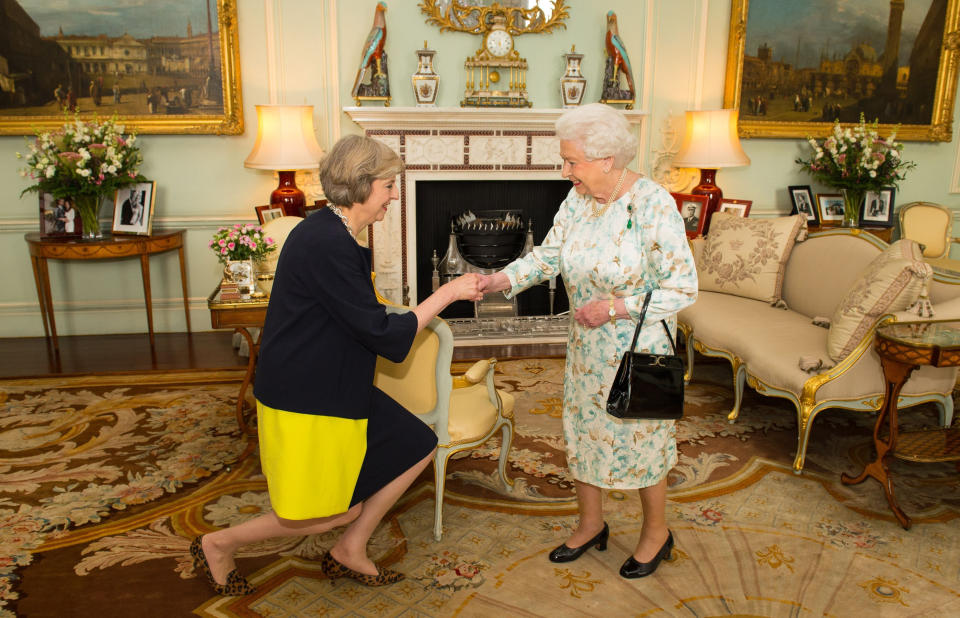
{"x": 88, "y": 208}
{"x": 852, "y": 199}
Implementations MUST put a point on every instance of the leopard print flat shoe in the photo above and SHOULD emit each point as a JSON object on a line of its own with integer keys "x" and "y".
{"x": 334, "y": 570}
{"x": 236, "y": 586}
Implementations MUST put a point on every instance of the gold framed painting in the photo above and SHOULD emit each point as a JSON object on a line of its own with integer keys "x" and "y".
{"x": 170, "y": 66}
{"x": 793, "y": 68}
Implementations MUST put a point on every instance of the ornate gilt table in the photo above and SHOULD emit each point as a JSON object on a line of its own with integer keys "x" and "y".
{"x": 241, "y": 316}
{"x": 904, "y": 346}
{"x": 110, "y": 247}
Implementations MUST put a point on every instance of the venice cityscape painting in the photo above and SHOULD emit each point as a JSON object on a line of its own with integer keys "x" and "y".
{"x": 793, "y": 68}
{"x": 163, "y": 66}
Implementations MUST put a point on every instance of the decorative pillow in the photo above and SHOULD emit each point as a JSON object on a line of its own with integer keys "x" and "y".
{"x": 891, "y": 282}
{"x": 746, "y": 257}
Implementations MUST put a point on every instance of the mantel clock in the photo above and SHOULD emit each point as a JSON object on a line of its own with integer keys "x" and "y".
{"x": 496, "y": 74}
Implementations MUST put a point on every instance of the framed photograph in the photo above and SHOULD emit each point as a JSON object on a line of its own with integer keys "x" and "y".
{"x": 792, "y": 73}
{"x": 741, "y": 208}
{"x": 692, "y": 208}
{"x": 801, "y": 196}
{"x": 877, "y": 208}
{"x": 158, "y": 65}
{"x": 58, "y": 218}
{"x": 830, "y": 206}
{"x": 317, "y": 206}
{"x": 268, "y": 213}
{"x": 133, "y": 209}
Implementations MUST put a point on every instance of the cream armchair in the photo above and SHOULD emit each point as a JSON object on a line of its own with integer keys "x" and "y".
{"x": 931, "y": 225}
{"x": 465, "y": 411}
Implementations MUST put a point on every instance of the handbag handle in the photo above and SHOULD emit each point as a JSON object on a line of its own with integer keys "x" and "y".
{"x": 643, "y": 315}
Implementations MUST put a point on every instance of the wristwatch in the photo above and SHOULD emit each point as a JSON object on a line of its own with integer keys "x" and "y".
{"x": 612, "y": 313}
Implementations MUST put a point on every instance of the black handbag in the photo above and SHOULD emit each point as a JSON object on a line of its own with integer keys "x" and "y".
{"x": 647, "y": 386}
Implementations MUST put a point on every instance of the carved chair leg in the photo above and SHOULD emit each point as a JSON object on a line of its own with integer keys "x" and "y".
{"x": 805, "y": 415}
{"x": 945, "y": 406}
{"x": 689, "y": 373}
{"x": 439, "y": 482}
{"x": 506, "y": 441}
{"x": 739, "y": 382}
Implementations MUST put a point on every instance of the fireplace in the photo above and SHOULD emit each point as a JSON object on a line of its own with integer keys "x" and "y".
{"x": 513, "y": 149}
{"x": 439, "y": 200}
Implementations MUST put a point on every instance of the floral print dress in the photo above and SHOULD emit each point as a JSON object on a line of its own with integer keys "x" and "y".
{"x": 600, "y": 258}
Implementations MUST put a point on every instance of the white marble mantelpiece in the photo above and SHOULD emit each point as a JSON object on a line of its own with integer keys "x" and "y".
{"x": 451, "y": 143}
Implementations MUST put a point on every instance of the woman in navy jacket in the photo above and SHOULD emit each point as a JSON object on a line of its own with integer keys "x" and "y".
{"x": 335, "y": 449}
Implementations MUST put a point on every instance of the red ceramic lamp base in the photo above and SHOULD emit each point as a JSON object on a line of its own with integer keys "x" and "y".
{"x": 288, "y": 196}
{"x": 709, "y": 188}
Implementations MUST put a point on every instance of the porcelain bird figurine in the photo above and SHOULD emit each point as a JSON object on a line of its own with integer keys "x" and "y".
{"x": 617, "y": 51}
{"x": 373, "y": 48}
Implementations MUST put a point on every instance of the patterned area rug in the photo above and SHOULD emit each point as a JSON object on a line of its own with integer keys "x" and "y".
{"x": 106, "y": 480}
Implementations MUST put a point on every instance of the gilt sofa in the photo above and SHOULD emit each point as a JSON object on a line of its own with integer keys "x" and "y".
{"x": 781, "y": 344}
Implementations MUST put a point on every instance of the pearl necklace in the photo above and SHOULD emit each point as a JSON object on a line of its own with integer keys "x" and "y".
{"x": 596, "y": 209}
{"x": 336, "y": 210}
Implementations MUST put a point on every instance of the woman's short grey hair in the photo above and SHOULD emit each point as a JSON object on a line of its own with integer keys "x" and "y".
{"x": 349, "y": 169}
{"x": 601, "y": 131}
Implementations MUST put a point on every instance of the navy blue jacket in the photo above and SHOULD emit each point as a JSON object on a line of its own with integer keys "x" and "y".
{"x": 324, "y": 327}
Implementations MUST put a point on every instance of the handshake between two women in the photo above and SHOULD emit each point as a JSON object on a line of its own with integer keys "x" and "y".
{"x": 472, "y": 286}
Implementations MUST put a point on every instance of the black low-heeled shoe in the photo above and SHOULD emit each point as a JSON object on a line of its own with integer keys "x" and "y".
{"x": 633, "y": 568}
{"x": 569, "y": 554}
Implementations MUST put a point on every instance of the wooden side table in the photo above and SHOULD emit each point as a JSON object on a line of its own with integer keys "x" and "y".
{"x": 883, "y": 233}
{"x": 904, "y": 346}
{"x": 110, "y": 247}
{"x": 241, "y": 316}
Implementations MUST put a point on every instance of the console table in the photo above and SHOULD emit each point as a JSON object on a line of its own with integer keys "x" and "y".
{"x": 241, "y": 316}
{"x": 883, "y": 233}
{"x": 904, "y": 346}
{"x": 107, "y": 248}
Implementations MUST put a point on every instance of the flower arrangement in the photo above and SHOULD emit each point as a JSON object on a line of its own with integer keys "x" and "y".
{"x": 857, "y": 158}
{"x": 84, "y": 161}
{"x": 243, "y": 241}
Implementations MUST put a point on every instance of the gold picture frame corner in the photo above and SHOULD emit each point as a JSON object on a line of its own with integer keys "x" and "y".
{"x": 940, "y": 128}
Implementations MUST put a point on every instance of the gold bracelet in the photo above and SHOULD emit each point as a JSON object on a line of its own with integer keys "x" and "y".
{"x": 613, "y": 313}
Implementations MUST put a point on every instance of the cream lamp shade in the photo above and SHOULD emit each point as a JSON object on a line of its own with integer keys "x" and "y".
{"x": 285, "y": 142}
{"x": 711, "y": 141}
{"x": 285, "y": 139}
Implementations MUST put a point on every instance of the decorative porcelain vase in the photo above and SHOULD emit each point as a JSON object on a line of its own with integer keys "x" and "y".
{"x": 573, "y": 83}
{"x": 88, "y": 211}
{"x": 425, "y": 81}
{"x": 852, "y": 199}
{"x": 241, "y": 273}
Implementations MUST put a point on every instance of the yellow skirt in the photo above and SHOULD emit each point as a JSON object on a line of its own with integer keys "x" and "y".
{"x": 312, "y": 462}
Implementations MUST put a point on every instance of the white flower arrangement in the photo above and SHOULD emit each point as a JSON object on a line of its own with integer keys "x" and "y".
{"x": 857, "y": 158}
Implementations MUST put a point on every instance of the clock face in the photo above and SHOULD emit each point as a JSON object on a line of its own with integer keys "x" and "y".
{"x": 499, "y": 42}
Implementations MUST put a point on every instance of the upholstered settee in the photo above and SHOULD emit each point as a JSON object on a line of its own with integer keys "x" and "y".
{"x": 792, "y": 343}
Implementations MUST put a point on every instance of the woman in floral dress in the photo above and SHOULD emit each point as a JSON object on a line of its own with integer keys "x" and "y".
{"x": 615, "y": 237}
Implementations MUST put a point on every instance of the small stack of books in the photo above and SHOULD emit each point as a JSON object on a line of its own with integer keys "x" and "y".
{"x": 229, "y": 291}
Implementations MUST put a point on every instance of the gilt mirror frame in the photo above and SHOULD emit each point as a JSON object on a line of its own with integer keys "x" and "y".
{"x": 460, "y": 16}
{"x": 754, "y": 124}
{"x": 222, "y": 118}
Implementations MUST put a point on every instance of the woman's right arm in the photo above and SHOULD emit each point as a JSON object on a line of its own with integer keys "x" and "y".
{"x": 464, "y": 287}
{"x": 542, "y": 263}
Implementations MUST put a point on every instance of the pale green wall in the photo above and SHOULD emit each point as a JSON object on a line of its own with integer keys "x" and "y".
{"x": 201, "y": 181}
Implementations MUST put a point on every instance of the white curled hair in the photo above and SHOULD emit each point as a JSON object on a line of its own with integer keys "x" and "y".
{"x": 601, "y": 131}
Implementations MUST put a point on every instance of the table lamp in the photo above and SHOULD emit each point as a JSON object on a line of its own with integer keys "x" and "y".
{"x": 709, "y": 143}
{"x": 285, "y": 143}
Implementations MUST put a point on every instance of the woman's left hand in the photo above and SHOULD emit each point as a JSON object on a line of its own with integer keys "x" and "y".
{"x": 594, "y": 313}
